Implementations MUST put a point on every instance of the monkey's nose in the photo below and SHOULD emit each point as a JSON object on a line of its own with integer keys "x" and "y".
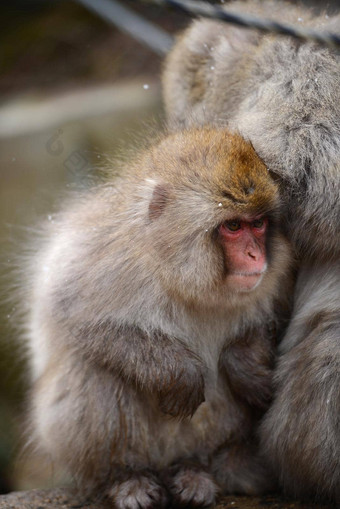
{"x": 255, "y": 258}
{"x": 254, "y": 252}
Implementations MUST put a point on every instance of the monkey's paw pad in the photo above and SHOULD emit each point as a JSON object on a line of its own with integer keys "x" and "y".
{"x": 192, "y": 488}
{"x": 138, "y": 493}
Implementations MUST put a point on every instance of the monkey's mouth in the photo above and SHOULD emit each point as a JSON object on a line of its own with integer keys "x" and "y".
{"x": 255, "y": 273}
{"x": 246, "y": 281}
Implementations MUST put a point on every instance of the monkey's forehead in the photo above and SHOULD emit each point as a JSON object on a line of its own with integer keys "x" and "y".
{"x": 222, "y": 173}
{"x": 239, "y": 195}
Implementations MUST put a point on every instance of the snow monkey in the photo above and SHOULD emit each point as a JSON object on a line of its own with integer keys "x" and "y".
{"x": 154, "y": 305}
{"x": 284, "y": 96}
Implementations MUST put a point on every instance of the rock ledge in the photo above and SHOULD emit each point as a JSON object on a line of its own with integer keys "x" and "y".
{"x": 64, "y": 499}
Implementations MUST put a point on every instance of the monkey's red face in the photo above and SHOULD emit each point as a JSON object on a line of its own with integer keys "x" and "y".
{"x": 244, "y": 245}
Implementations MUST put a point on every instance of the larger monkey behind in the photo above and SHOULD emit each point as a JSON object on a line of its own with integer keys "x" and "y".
{"x": 284, "y": 96}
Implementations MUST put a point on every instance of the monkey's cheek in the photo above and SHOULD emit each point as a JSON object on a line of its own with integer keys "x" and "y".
{"x": 244, "y": 283}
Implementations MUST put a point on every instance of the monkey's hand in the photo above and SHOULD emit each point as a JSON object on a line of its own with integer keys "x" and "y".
{"x": 184, "y": 392}
{"x": 154, "y": 362}
{"x": 248, "y": 366}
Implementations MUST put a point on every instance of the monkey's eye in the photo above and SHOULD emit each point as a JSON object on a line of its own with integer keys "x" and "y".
{"x": 258, "y": 223}
{"x": 233, "y": 226}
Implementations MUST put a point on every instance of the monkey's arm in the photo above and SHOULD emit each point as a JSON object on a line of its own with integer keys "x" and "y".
{"x": 301, "y": 431}
{"x": 247, "y": 364}
{"x": 154, "y": 362}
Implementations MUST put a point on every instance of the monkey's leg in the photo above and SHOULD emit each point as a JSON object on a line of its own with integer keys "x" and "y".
{"x": 191, "y": 485}
{"x": 96, "y": 427}
{"x": 301, "y": 431}
{"x": 240, "y": 469}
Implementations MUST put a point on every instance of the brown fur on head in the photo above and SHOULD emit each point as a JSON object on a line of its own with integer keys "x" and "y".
{"x": 222, "y": 165}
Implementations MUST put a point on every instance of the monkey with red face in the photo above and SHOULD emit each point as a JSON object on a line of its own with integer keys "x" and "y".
{"x": 153, "y": 308}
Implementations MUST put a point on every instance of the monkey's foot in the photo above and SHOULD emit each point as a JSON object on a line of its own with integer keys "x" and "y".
{"x": 193, "y": 488}
{"x": 138, "y": 492}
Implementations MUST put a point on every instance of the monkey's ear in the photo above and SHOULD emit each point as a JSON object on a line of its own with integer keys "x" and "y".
{"x": 159, "y": 199}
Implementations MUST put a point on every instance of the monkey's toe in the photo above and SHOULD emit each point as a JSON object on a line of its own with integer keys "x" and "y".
{"x": 138, "y": 492}
{"x": 191, "y": 488}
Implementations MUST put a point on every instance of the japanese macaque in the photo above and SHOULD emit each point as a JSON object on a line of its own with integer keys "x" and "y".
{"x": 284, "y": 96}
{"x": 154, "y": 309}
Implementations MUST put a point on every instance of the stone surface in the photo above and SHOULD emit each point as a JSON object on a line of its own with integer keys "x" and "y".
{"x": 64, "y": 499}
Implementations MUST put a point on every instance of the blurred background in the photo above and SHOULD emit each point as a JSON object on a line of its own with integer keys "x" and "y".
{"x": 74, "y": 91}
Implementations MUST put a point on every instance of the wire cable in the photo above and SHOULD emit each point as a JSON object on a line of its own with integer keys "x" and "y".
{"x": 195, "y": 7}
